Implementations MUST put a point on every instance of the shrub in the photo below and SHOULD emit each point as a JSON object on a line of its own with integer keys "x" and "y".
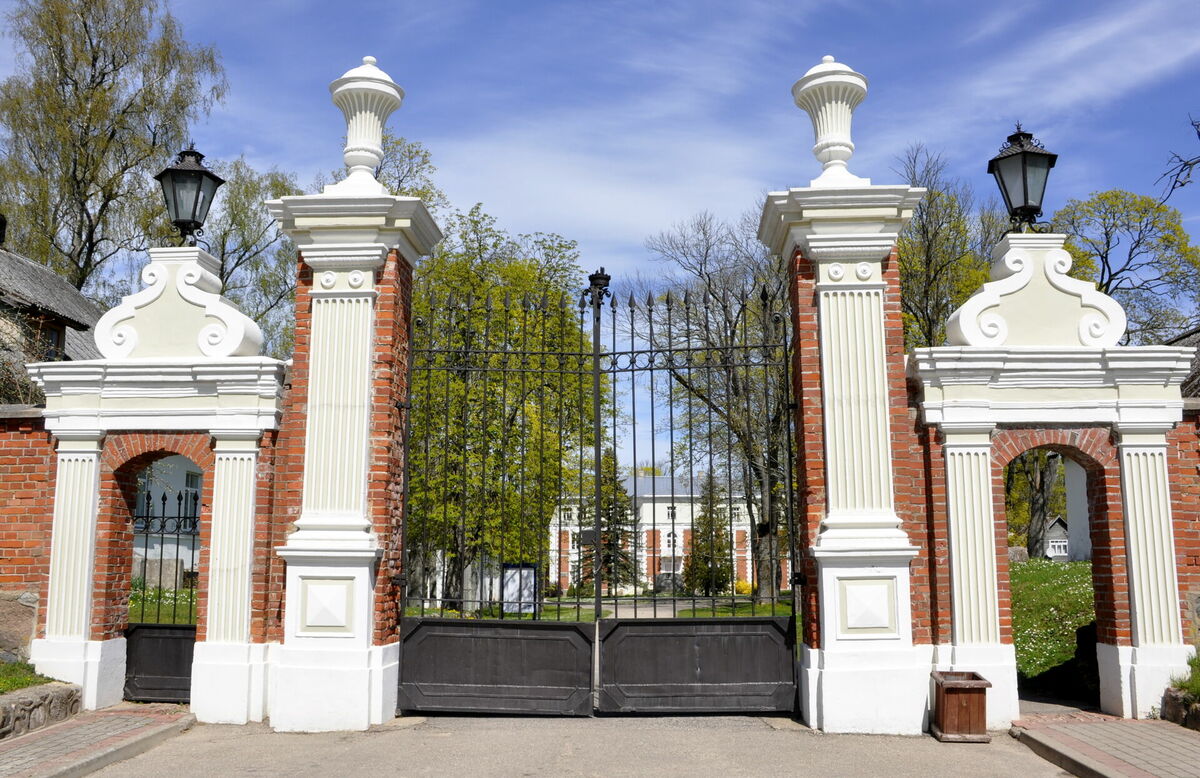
{"x": 743, "y": 588}
{"x": 1189, "y": 684}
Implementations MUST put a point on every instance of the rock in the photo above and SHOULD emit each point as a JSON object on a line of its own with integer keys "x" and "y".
{"x": 16, "y": 627}
{"x": 1193, "y": 716}
{"x": 1173, "y": 707}
{"x": 28, "y": 709}
{"x": 1018, "y": 554}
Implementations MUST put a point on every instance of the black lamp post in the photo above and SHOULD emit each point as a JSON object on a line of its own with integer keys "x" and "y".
{"x": 189, "y": 188}
{"x": 1021, "y": 169}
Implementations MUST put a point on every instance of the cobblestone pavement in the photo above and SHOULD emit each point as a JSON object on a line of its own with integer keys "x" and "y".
{"x": 87, "y": 739}
{"x": 1097, "y": 744}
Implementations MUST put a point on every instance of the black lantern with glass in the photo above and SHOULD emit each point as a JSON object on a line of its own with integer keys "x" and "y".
{"x": 1021, "y": 169}
{"x": 189, "y": 188}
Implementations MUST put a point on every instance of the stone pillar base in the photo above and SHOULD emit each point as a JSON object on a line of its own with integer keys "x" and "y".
{"x": 229, "y": 682}
{"x": 873, "y": 691}
{"x": 331, "y": 689}
{"x": 1133, "y": 678}
{"x": 98, "y": 666}
{"x": 997, "y": 662}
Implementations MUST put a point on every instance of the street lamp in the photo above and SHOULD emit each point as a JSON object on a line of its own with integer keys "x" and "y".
{"x": 1021, "y": 169}
{"x": 189, "y": 188}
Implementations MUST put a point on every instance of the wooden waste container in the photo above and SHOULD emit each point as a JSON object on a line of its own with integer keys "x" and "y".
{"x": 960, "y": 707}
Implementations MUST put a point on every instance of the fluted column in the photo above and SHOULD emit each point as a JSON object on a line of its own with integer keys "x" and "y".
{"x": 67, "y": 652}
{"x": 1132, "y": 677}
{"x": 976, "y": 612}
{"x": 228, "y": 671}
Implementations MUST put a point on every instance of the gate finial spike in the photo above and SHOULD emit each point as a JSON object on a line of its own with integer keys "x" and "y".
{"x": 507, "y": 299}
{"x": 667, "y": 301}
{"x": 632, "y": 303}
{"x": 649, "y": 300}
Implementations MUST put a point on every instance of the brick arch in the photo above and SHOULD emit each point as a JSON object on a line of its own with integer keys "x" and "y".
{"x": 123, "y": 457}
{"x": 1094, "y": 449}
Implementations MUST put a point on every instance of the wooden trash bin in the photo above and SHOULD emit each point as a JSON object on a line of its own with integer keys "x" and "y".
{"x": 960, "y": 707}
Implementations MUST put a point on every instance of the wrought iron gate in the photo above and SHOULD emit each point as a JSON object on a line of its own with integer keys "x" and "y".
{"x": 161, "y": 635}
{"x": 599, "y": 481}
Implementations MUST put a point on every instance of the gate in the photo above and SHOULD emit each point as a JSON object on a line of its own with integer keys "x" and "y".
{"x": 598, "y": 503}
{"x": 161, "y": 635}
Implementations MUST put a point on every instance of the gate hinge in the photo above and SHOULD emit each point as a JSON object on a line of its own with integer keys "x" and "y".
{"x": 799, "y": 579}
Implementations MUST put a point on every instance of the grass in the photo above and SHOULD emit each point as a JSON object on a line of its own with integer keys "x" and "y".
{"x": 162, "y": 606}
{"x": 1050, "y": 600}
{"x": 740, "y": 610}
{"x": 19, "y": 675}
{"x": 550, "y": 612}
{"x": 1190, "y": 683}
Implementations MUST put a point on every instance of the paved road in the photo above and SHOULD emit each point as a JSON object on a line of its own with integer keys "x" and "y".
{"x": 668, "y": 746}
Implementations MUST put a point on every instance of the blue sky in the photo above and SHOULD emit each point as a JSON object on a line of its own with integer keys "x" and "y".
{"x": 609, "y": 121}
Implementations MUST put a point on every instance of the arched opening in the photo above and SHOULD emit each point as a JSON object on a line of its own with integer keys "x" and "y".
{"x": 154, "y": 533}
{"x": 1055, "y": 508}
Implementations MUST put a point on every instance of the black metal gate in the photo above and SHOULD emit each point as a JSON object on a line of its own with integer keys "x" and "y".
{"x": 161, "y": 635}
{"x": 599, "y": 502}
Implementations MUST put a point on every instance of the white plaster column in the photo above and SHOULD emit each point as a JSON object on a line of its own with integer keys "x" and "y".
{"x": 329, "y": 674}
{"x": 229, "y": 673}
{"x": 1079, "y": 519}
{"x": 67, "y": 652}
{"x": 1132, "y": 678}
{"x": 847, "y": 228}
{"x": 975, "y": 610}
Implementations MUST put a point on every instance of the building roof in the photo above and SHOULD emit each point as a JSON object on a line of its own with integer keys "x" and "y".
{"x": 1191, "y": 384}
{"x": 26, "y": 285}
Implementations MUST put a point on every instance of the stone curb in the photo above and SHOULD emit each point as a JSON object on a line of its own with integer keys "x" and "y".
{"x": 1061, "y": 755}
{"x": 95, "y": 760}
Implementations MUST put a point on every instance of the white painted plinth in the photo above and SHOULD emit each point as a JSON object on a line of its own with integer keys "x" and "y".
{"x": 330, "y": 689}
{"x": 872, "y": 691}
{"x": 230, "y": 682}
{"x": 1133, "y": 678}
{"x": 96, "y": 665}
{"x": 997, "y": 662}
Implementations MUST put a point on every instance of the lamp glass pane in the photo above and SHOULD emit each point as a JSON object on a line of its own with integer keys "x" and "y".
{"x": 187, "y": 189}
{"x": 168, "y": 190}
{"x": 1009, "y": 173}
{"x": 1037, "y": 167}
{"x": 208, "y": 188}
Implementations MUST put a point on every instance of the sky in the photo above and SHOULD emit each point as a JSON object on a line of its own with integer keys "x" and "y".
{"x": 608, "y": 122}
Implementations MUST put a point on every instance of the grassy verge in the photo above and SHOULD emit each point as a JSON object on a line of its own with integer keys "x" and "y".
{"x": 1050, "y": 600}
{"x": 162, "y": 606}
{"x": 18, "y": 675}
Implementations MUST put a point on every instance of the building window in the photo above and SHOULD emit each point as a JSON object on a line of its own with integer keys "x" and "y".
{"x": 1058, "y": 547}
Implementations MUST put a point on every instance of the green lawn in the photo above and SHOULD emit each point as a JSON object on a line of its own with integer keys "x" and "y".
{"x": 162, "y": 606}
{"x": 740, "y": 610}
{"x": 18, "y": 675}
{"x": 1050, "y": 600}
{"x": 550, "y": 612}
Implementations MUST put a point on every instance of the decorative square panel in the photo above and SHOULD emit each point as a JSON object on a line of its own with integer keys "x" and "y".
{"x": 867, "y": 607}
{"x": 326, "y": 605}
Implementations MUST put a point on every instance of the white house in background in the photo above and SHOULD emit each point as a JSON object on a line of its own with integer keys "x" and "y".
{"x": 665, "y": 509}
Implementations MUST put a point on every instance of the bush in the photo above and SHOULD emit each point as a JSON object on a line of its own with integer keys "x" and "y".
{"x": 743, "y": 588}
{"x": 1190, "y": 684}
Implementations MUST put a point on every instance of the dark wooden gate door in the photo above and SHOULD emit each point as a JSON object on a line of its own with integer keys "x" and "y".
{"x": 161, "y": 636}
{"x": 601, "y": 484}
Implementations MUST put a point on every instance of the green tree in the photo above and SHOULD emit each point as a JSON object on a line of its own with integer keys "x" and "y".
{"x": 943, "y": 251}
{"x": 1138, "y": 253}
{"x": 708, "y": 569}
{"x": 499, "y": 403}
{"x": 617, "y": 565}
{"x": 1034, "y": 494}
{"x": 104, "y": 94}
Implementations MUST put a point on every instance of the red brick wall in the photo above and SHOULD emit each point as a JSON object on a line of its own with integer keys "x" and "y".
{"x": 1094, "y": 449}
{"x": 27, "y": 471}
{"x": 1184, "y": 462}
{"x": 385, "y": 476}
{"x": 809, "y": 450}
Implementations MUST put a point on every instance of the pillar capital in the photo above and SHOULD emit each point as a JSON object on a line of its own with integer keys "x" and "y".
{"x": 837, "y": 225}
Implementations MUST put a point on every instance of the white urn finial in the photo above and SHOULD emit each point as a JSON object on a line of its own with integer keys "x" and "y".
{"x": 367, "y": 97}
{"x": 829, "y": 93}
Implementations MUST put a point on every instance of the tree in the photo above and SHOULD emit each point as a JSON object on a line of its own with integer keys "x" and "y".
{"x": 616, "y": 563}
{"x": 708, "y": 569}
{"x": 1034, "y": 494}
{"x": 1180, "y": 168}
{"x": 943, "y": 251}
{"x": 104, "y": 95}
{"x": 499, "y": 400}
{"x": 1140, "y": 255}
{"x": 736, "y": 409}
